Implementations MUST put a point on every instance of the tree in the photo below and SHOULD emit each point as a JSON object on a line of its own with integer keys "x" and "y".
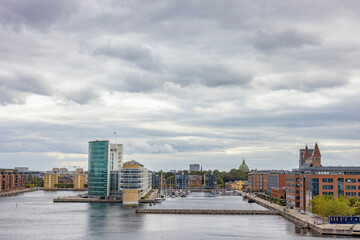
{"x": 326, "y": 206}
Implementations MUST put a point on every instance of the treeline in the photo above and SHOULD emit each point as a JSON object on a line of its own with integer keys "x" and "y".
{"x": 32, "y": 181}
{"x": 325, "y": 206}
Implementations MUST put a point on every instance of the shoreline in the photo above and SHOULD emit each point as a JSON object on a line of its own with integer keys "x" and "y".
{"x": 307, "y": 221}
{"x": 16, "y": 192}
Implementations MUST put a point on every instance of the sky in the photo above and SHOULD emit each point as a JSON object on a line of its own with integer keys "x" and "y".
{"x": 208, "y": 82}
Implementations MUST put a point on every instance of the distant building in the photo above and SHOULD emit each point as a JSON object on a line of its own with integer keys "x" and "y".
{"x": 243, "y": 166}
{"x": 182, "y": 180}
{"x": 195, "y": 181}
{"x": 50, "y": 180}
{"x": 105, "y": 161}
{"x": 237, "y": 185}
{"x": 173, "y": 171}
{"x": 194, "y": 167}
{"x": 228, "y": 185}
{"x": 79, "y": 181}
{"x": 135, "y": 182}
{"x": 210, "y": 181}
{"x": 22, "y": 169}
{"x": 11, "y": 179}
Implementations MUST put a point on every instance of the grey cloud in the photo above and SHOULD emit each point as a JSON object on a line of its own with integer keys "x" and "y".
{"x": 210, "y": 75}
{"x": 310, "y": 82}
{"x": 82, "y": 96}
{"x": 15, "y": 88}
{"x": 133, "y": 53}
{"x": 268, "y": 41}
{"x": 36, "y": 14}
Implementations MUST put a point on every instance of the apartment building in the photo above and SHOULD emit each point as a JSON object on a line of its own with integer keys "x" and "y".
{"x": 50, "y": 179}
{"x": 11, "y": 179}
{"x": 135, "y": 182}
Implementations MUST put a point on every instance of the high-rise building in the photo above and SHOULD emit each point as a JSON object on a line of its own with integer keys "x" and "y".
{"x": 135, "y": 182}
{"x": 194, "y": 167}
{"x": 105, "y": 161}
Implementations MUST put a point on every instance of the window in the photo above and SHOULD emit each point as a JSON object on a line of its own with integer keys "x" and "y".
{"x": 328, "y": 193}
{"x": 327, "y": 187}
{"x": 350, "y": 187}
{"x": 328, "y": 180}
{"x": 351, "y": 194}
{"x": 351, "y": 180}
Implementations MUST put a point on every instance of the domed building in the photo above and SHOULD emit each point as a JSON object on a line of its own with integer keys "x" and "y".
{"x": 243, "y": 166}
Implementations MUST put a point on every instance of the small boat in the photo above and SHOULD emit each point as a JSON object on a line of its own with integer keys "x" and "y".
{"x": 182, "y": 195}
{"x": 158, "y": 200}
{"x": 245, "y": 198}
{"x": 251, "y": 200}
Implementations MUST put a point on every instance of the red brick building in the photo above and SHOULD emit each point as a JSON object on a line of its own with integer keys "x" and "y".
{"x": 195, "y": 181}
{"x": 11, "y": 179}
{"x": 258, "y": 180}
{"x": 278, "y": 193}
{"x": 312, "y": 179}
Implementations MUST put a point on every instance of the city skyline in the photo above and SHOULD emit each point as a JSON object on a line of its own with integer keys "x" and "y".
{"x": 198, "y": 82}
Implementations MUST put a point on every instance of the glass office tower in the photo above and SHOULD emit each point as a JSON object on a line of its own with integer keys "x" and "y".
{"x": 98, "y": 184}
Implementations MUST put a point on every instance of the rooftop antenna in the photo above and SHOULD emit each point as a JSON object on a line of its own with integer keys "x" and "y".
{"x": 115, "y": 136}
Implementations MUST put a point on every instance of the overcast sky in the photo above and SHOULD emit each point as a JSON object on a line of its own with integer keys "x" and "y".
{"x": 208, "y": 82}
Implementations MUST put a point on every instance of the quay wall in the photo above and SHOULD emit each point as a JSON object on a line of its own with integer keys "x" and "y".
{"x": 15, "y": 192}
{"x": 206, "y": 211}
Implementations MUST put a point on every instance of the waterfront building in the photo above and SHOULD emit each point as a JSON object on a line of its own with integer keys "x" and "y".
{"x": 258, "y": 180}
{"x": 182, "y": 180}
{"x": 11, "y": 179}
{"x": 135, "y": 182}
{"x": 79, "y": 180}
{"x": 278, "y": 192}
{"x": 276, "y": 179}
{"x": 194, "y": 167}
{"x": 105, "y": 160}
{"x": 195, "y": 181}
{"x": 210, "y": 181}
{"x": 313, "y": 179}
{"x": 243, "y": 166}
{"x": 50, "y": 180}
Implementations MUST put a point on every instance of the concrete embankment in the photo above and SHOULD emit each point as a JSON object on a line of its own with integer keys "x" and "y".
{"x": 65, "y": 189}
{"x": 206, "y": 211}
{"x": 77, "y": 199}
{"x": 13, "y": 193}
{"x": 304, "y": 220}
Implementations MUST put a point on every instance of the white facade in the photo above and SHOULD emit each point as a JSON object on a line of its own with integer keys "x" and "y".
{"x": 135, "y": 177}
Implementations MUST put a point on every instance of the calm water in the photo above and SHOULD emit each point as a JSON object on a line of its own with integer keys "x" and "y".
{"x": 34, "y": 216}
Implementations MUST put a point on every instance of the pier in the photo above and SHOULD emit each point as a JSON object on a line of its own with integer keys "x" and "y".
{"x": 206, "y": 211}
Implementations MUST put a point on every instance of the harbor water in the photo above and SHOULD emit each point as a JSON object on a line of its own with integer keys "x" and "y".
{"x": 33, "y": 215}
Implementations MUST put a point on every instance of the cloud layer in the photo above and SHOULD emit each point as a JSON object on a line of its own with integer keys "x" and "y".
{"x": 181, "y": 82}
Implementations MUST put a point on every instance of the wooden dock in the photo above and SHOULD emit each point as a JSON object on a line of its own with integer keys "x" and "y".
{"x": 206, "y": 211}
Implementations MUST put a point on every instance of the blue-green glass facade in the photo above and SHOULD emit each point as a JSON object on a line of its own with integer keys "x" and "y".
{"x": 98, "y": 168}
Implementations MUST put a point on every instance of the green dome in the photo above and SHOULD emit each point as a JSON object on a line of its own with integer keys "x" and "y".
{"x": 243, "y": 166}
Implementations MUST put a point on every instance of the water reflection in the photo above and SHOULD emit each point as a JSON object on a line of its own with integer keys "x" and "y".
{"x": 37, "y": 217}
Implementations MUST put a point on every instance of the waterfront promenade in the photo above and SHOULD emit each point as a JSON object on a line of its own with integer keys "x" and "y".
{"x": 306, "y": 220}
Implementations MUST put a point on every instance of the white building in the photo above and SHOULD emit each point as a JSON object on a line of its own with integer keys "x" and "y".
{"x": 135, "y": 182}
